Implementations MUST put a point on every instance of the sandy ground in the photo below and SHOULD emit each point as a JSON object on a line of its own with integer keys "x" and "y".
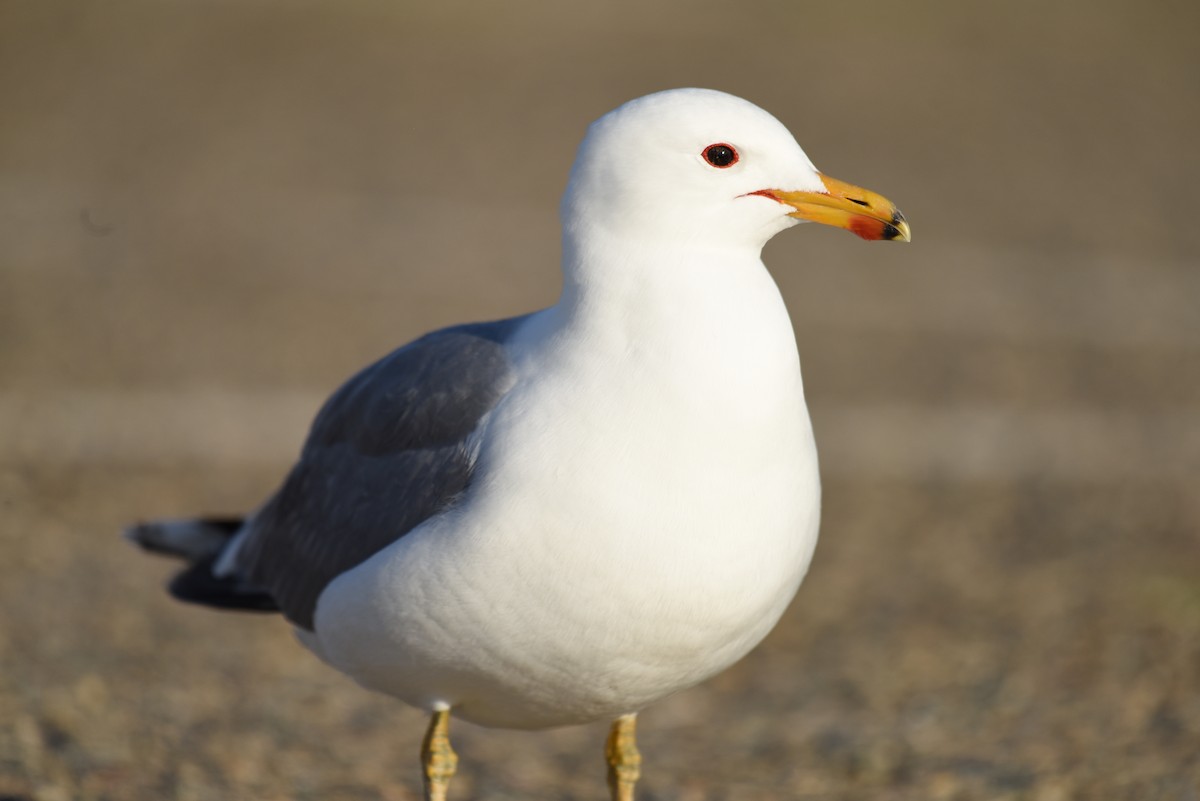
{"x": 212, "y": 212}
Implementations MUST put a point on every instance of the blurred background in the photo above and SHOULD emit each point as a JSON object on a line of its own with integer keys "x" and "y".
{"x": 212, "y": 212}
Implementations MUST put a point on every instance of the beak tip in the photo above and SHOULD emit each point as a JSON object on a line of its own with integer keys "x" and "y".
{"x": 899, "y": 229}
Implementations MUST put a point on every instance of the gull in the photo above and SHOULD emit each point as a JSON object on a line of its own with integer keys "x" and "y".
{"x": 566, "y": 516}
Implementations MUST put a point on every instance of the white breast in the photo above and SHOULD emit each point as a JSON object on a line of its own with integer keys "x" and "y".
{"x": 645, "y": 506}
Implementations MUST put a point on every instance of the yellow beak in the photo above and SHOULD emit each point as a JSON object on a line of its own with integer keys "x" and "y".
{"x": 865, "y": 213}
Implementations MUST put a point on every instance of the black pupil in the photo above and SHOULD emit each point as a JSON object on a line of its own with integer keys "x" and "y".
{"x": 719, "y": 155}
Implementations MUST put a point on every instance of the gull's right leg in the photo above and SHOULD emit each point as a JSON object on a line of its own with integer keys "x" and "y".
{"x": 624, "y": 761}
{"x": 437, "y": 757}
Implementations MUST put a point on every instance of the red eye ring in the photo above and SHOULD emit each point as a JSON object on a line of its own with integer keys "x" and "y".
{"x": 721, "y": 155}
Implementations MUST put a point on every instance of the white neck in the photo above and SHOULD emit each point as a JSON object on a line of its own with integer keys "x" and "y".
{"x": 714, "y": 315}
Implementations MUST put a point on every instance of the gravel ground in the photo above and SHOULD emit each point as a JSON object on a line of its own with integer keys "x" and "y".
{"x": 212, "y": 212}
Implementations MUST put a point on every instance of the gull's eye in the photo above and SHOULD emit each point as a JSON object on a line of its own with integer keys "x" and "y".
{"x": 720, "y": 155}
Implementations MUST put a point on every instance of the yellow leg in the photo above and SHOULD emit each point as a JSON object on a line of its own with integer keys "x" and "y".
{"x": 624, "y": 761}
{"x": 437, "y": 757}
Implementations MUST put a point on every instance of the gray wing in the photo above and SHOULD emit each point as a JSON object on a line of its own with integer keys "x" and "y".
{"x": 387, "y": 452}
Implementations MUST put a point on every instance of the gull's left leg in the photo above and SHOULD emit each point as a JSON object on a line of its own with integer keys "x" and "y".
{"x": 624, "y": 761}
{"x": 437, "y": 757}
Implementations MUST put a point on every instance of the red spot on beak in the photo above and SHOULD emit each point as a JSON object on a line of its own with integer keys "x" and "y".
{"x": 867, "y": 228}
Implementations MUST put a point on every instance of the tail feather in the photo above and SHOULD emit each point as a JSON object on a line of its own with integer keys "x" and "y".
{"x": 192, "y": 540}
{"x": 200, "y": 542}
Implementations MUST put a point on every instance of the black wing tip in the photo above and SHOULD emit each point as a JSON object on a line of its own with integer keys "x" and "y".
{"x": 198, "y": 585}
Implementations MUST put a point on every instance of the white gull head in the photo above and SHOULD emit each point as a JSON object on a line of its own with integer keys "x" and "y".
{"x": 709, "y": 170}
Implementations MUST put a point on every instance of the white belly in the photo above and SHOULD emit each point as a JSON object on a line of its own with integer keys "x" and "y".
{"x": 576, "y": 623}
